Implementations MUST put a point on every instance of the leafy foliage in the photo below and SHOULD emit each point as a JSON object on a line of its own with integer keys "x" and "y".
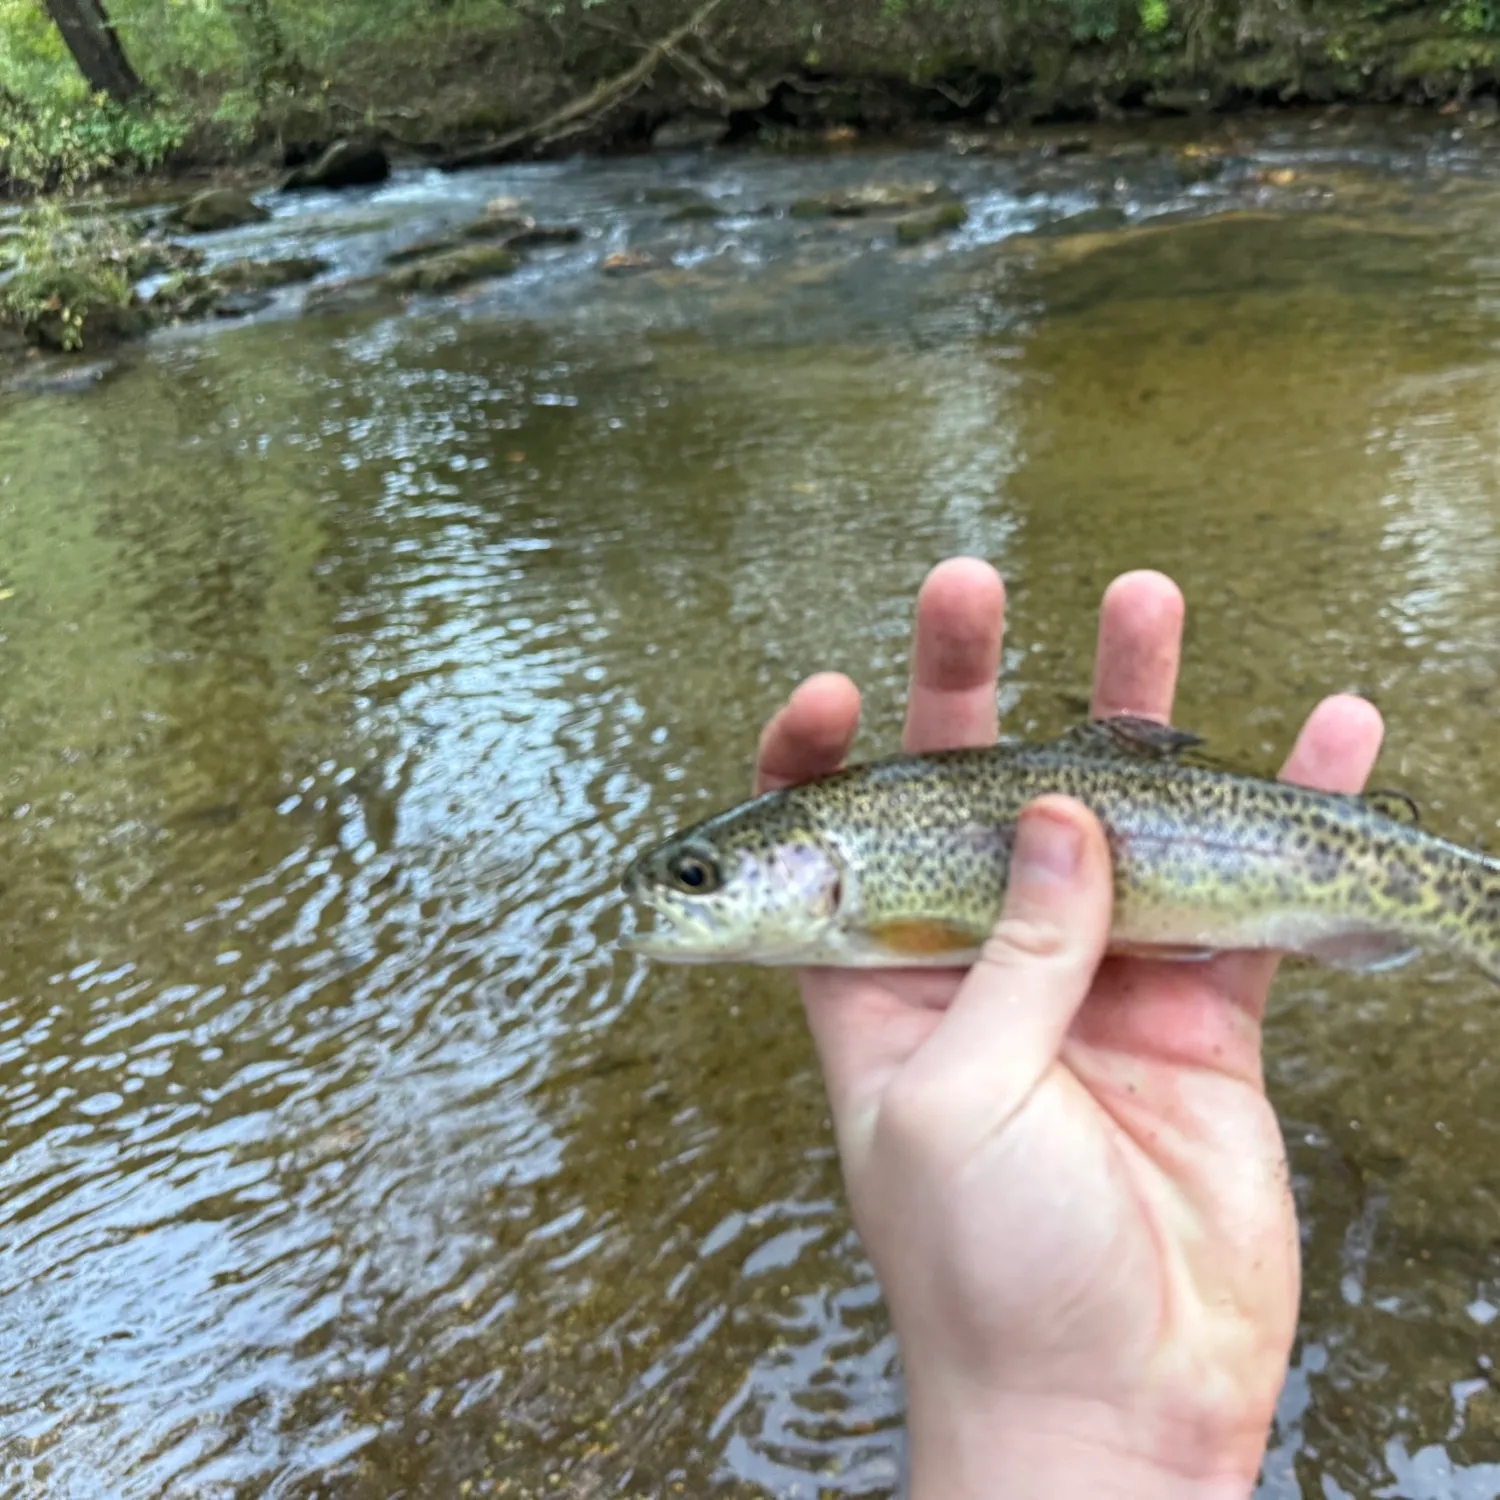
{"x": 227, "y": 75}
{"x": 1154, "y": 16}
{"x": 228, "y": 66}
{"x": 71, "y": 277}
{"x": 60, "y": 143}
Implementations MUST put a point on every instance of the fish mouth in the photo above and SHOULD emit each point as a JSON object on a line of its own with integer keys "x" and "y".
{"x": 673, "y": 935}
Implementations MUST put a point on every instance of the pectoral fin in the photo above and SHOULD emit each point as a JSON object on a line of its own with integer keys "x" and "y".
{"x": 925, "y": 937}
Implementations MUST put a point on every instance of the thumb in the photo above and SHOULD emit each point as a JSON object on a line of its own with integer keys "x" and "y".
{"x": 1008, "y": 1020}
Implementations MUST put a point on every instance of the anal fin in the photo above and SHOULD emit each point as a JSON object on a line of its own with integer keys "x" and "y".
{"x": 1367, "y": 952}
{"x": 1173, "y": 953}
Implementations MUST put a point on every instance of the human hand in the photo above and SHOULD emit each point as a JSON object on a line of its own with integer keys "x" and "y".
{"x": 1062, "y": 1165}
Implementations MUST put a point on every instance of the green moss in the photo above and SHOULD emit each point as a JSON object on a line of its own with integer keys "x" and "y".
{"x": 1443, "y": 56}
{"x": 262, "y": 275}
{"x": 445, "y": 273}
{"x": 418, "y": 250}
{"x": 215, "y": 209}
{"x": 945, "y": 218}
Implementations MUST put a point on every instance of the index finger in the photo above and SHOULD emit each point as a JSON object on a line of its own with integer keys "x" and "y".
{"x": 810, "y": 734}
{"x": 955, "y": 671}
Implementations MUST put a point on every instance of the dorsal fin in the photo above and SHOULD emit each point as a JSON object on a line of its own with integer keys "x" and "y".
{"x": 1129, "y": 735}
{"x": 1396, "y": 806}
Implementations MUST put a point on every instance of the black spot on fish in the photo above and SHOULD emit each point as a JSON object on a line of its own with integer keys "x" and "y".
{"x": 1403, "y": 885}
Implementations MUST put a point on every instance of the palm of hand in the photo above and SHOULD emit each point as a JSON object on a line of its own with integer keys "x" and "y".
{"x": 1137, "y": 1186}
{"x": 1141, "y": 1181}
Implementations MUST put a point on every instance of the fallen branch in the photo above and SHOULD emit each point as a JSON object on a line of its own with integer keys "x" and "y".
{"x": 961, "y": 101}
{"x": 695, "y": 70}
{"x": 572, "y": 118}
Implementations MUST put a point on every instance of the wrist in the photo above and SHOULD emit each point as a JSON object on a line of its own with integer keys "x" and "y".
{"x": 1038, "y": 1449}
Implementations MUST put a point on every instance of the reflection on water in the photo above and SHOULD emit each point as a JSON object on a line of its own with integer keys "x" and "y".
{"x": 348, "y": 660}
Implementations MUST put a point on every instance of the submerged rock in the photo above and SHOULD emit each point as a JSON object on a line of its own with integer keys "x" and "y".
{"x": 441, "y": 244}
{"x": 60, "y": 378}
{"x": 154, "y": 257}
{"x": 689, "y": 133}
{"x": 513, "y": 234}
{"x": 701, "y": 210}
{"x": 258, "y": 275}
{"x": 103, "y": 325}
{"x": 1089, "y": 221}
{"x": 538, "y": 235}
{"x": 217, "y": 208}
{"x": 496, "y": 226}
{"x": 1195, "y": 166}
{"x": 875, "y": 198}
{"x": 456, "y": 268}
{"x": 350, "y": 163}
{"x": 242, "y": 304}
{"x": 442, "y": 272}
{"x": 186, "y": 296}
{"x": 625, "y": 261}
{"x": 912, "y": 229}
{"x": 346, "y": 296}
{"x": 236, "y": 284}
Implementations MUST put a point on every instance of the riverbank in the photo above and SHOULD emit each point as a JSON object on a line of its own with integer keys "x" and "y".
{"x": 459, "y": 85}
{"x": 724, "y": 76}
{"x": 631, "y": 238}
{"x": 735, "y": 72}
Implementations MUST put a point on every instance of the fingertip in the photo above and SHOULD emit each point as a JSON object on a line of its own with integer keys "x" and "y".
{"x": 960, "y": 620}
{"x": 810, "y": 734}
{"x": 1338, "y": 745}
{"x": 825, "y": 707}
{"x": 1140, "y": 646}
{"x": 1146, "y": 588}
{"x": 1061, "y": 822}
{"x": 1058, "y": 892}
{"x": 956, "y": 646}
{"x": 966, "y": 580}
{"x": 1352, "y": 721}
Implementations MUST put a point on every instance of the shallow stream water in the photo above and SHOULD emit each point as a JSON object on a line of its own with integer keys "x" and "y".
{"x": 345, "y": 659}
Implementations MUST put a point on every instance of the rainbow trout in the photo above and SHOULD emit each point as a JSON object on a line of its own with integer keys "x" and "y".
{"x": 903, "y": 862}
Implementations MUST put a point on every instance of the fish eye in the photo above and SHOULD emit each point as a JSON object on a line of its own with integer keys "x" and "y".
{"x": 693, "y": 872}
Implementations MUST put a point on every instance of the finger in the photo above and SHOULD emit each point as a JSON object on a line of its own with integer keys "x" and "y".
{"x": 1007, "y": 1021}
{"x": 1335, "y": 752}
{"x": 810, "y": 734}
{"x": 956, "y": 657}
{"x": 1140, "y": 647}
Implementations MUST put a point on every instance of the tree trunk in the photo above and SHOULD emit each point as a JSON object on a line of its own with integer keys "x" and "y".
{"x": 95, "y": 48}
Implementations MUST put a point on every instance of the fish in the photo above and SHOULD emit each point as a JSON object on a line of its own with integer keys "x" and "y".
{"x": 902, "y": 862}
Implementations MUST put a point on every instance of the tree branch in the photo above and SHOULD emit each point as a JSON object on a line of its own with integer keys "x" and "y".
{"x": 573, "y": 117}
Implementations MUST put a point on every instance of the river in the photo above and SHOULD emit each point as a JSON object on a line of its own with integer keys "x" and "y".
{"x": 345, "y": 659}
